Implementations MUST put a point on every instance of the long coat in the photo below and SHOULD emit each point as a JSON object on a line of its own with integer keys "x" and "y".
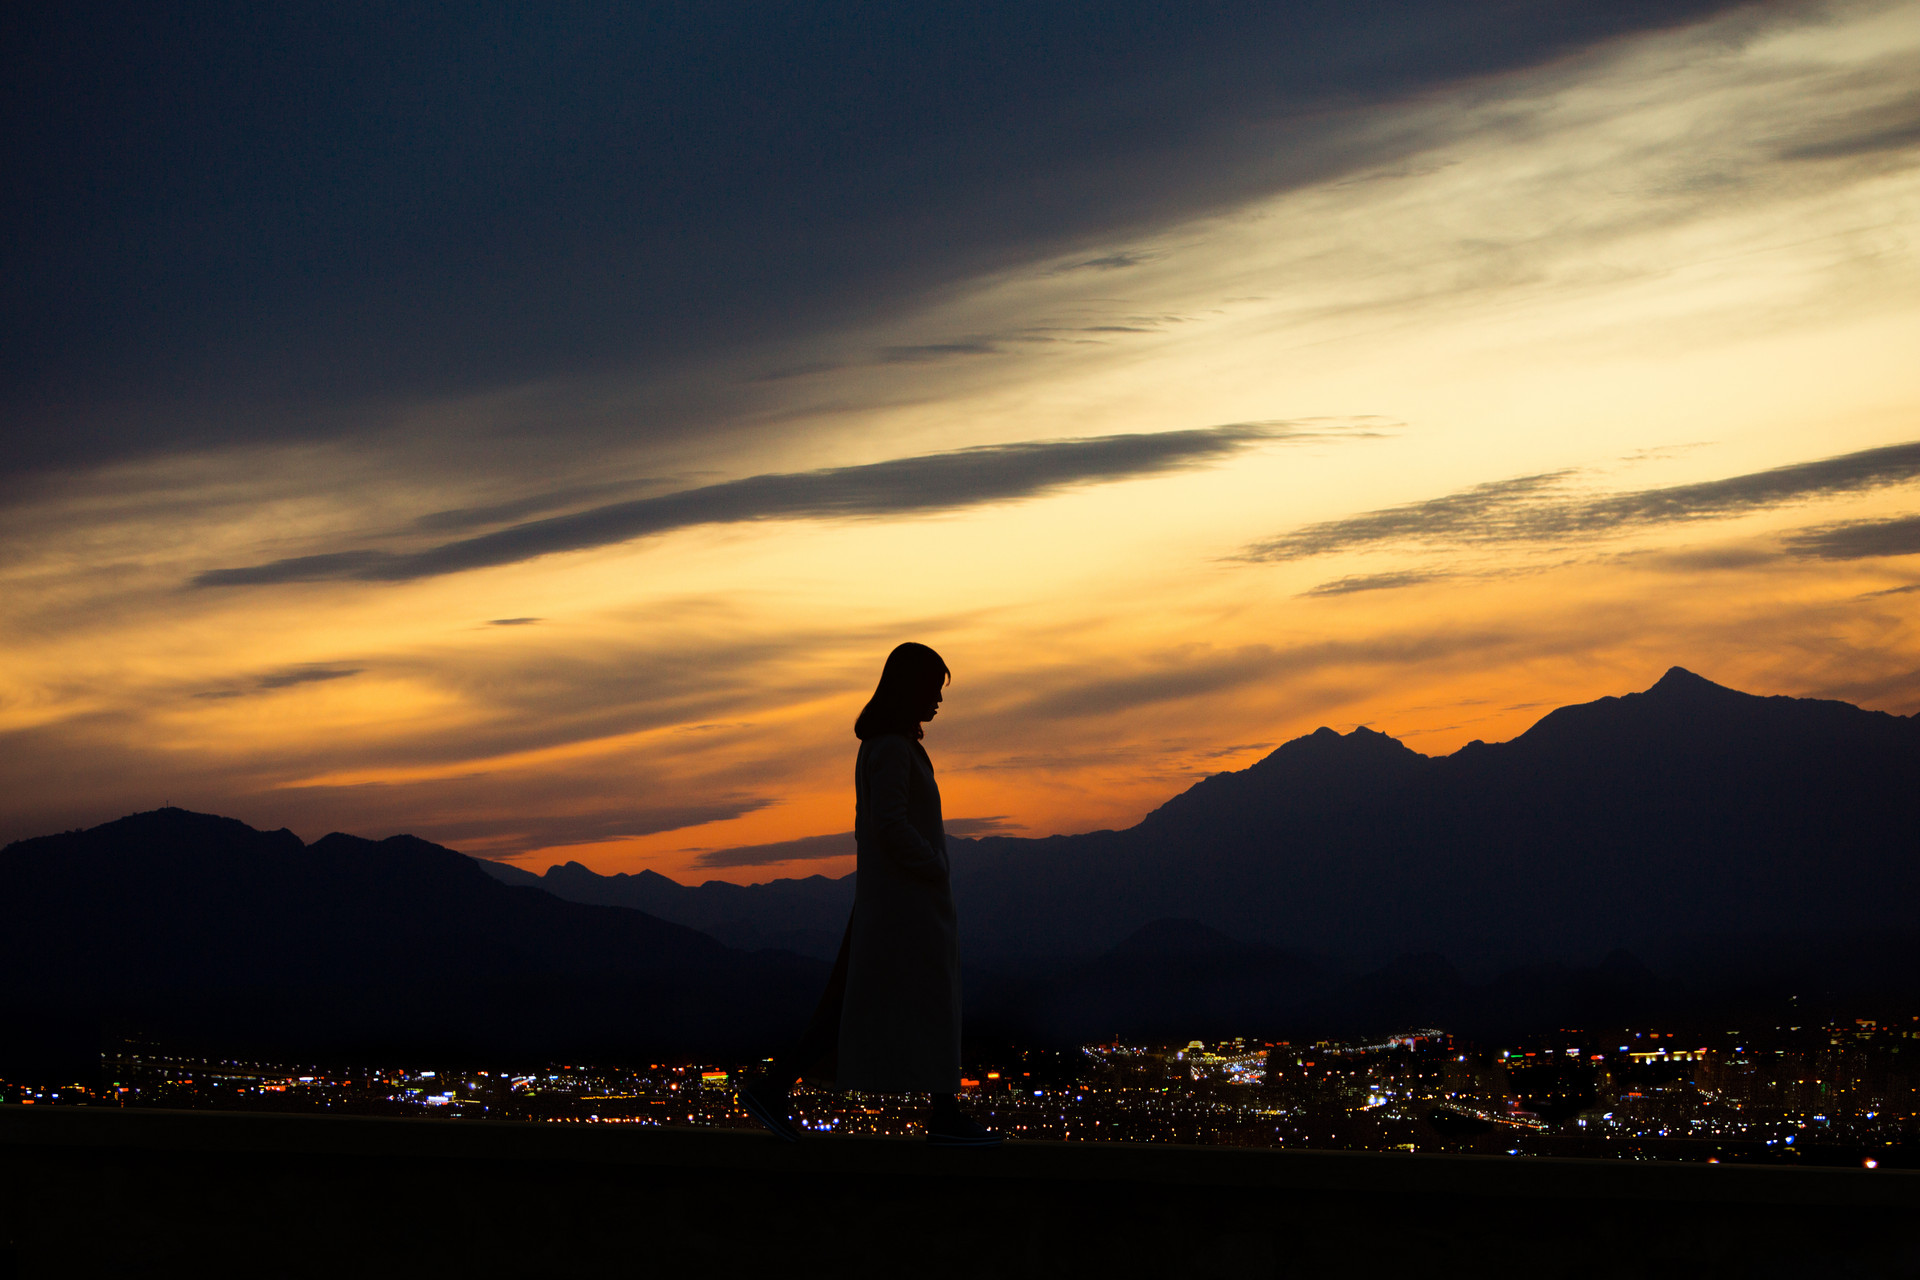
{"x": 900, "y": 1024}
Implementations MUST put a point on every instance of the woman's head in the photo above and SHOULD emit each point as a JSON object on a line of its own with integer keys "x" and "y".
{"x": 908, "y": 693}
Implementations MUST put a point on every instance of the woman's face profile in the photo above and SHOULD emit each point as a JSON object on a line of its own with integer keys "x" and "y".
{"x": 930, "y": 704}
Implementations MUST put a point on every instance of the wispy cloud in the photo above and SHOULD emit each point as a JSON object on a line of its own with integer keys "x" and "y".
{"x": 1471, "y": 515}
{"x": 1109, "y": 262}
{"x": 1176, "y": 679}
{"x": 804, "y": 849}
{"x": 506, "y": 836}
{"x": 458, "y": 519}
{"x": 306, "y": 675}
{"x": 903, "y": 486}
{"x": 1880, "y": 128}
{"x": 1705, "y": 559}
{"x": 1546, "y": 507}
{"x": 1375, "y": 582}
{"x": 286, "y": 678}
{"x": 936, "y": 351}
{"x": 1859, "y": 539}
{"x": 995, "y": 824}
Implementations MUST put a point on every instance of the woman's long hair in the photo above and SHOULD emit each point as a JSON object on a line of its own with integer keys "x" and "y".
{"x": 911, "y": 670}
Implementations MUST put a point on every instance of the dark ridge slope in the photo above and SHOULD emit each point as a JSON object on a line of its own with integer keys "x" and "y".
{"x": 805, "y": 916}
{"x": 196, "y": 927}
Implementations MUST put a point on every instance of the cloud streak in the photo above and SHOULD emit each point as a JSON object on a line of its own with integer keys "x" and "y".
{"x": 993, "y": 824}
{"x": 306, "y": 675}
{"x": 1374, "y": 582}
{"x": 1859, "y": 539}
{"x": 1893, "y": 126}
{"x": 903, "y": 486}
{"x": 804, "y": 849}
{"x": 507, "y": 836}
{"x": 1543, "y": 508}
{"x": 287, "y": 678}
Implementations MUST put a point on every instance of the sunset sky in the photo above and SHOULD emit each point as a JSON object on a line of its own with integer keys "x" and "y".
{"x": 530, "y": 429}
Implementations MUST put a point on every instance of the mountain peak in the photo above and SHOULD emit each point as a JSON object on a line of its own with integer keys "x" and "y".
{"x": 1682, "y": 683}
{"x": 1326, "y": 744}
{"x": 172, "y": 827}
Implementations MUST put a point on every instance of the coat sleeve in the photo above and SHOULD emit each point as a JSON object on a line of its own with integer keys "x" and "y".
{"x": 889, "y": 768}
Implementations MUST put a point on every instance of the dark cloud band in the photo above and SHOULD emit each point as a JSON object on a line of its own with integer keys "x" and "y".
{"x": 903, "y": 486}
{"x": 285, "y": 679}
{"x": 1374, "y": 582}
{"x": 1859, "y": 539}
{"x": 1542, "y": 508}
{"x": 805, "y": 849}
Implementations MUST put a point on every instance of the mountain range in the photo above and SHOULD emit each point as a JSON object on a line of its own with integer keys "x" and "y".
{"x": 806, "y": 916}
{"x": 1677, "y": 851}
{"x": 200, "y": 930}
{"x": 1688, "y": 811}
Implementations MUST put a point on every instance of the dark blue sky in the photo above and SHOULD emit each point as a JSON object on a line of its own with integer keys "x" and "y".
{"x": 227, "y": 221}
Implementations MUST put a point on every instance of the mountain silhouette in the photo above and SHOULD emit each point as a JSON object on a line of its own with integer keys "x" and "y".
{"x": 201, "y": 929}
{"x": 1689, "y": 810}
{"x": 806, "y": 916}
{"x": 1741, "y": 848}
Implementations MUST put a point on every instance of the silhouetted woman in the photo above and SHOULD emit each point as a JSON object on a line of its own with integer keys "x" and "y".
{"x": 891, "y": 1010}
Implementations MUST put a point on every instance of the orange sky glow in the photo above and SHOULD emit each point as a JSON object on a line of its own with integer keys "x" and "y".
{"x": 1611, "y": 368}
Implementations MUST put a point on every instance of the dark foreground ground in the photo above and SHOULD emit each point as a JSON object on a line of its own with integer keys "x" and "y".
{"x": 94, "y": 1191}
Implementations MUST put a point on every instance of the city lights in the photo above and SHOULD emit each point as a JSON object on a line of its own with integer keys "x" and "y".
{"x": 1842, "y": 1094}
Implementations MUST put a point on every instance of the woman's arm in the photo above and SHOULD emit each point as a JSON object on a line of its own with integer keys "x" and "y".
{"x": 889, "y": 769}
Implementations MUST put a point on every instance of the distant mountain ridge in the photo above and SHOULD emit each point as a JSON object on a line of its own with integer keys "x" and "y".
{"x": 1685, "y": 811}
{"x": 201, "y": 928}
{"x": 806, "y": 916}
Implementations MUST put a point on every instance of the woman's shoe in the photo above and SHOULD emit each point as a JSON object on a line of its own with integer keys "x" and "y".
{"x": 958, "y": 1130}
{"x": 769, "y": 1104}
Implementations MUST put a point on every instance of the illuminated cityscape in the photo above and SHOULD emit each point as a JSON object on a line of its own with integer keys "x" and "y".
{"x": 1843, "y": 1093}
